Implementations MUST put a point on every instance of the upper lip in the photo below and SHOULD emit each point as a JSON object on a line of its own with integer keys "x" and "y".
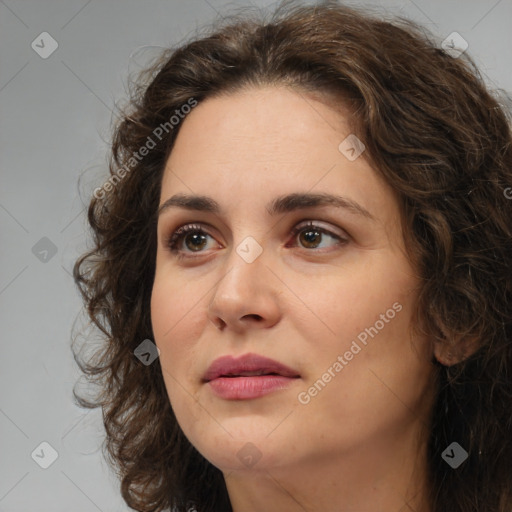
{"x": 229, "y": 365}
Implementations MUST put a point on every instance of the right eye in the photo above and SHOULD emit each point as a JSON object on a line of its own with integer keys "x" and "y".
{"x": 194, "y": 235}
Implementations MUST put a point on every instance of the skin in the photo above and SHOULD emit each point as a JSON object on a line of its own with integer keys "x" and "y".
{"x": 360, "y": 443}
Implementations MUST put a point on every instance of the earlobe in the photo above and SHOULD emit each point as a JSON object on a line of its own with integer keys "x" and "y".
{"x": 449, "y": 354}
{"x": 444, "y": 354}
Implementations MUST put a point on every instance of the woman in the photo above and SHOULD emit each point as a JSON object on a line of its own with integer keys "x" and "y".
{"x": 303, "y": 272}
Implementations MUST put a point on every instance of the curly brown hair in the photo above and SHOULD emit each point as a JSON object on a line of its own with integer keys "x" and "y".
{"x": 438, "y": 136}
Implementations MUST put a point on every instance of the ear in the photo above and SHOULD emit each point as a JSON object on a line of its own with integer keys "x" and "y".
{"x": 449, "y": 354}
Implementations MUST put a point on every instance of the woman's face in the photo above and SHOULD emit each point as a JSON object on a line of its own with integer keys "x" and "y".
{"x": 332, "y": 301}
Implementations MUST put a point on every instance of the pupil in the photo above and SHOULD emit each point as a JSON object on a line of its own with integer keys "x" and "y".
{"x": 197, "y": 238}
{"x": 310, "y": 237}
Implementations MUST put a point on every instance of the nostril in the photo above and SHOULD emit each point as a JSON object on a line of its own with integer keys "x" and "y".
{"x": 253, "y": 316}
{"x": 219, "y": 323}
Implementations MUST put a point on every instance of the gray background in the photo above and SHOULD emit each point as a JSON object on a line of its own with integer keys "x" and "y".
{"x": 54, "y": 128}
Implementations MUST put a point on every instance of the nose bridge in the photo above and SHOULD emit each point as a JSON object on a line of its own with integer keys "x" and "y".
{"x": 245, "y": 267}
{"x": 244, "y": 289}
{"x": 246, "y": 254}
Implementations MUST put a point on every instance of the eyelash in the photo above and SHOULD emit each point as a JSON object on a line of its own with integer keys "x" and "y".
{"x": 175, "y": 238}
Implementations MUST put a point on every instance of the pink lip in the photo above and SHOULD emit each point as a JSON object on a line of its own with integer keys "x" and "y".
{"x": 226, "y": 376}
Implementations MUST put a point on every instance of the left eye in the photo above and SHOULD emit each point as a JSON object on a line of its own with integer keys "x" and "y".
{"x": 195, "y": 237}
{"x": 311, "y": 234}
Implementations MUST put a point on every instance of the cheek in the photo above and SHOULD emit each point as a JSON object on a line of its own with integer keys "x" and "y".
{"x": 376, "y": 394}
{"x": 171, "y": 301}
{"x": 162, "y": 313}
{"x": 365, "y": 313}
{"x": 351, "y": 299}
{"x": 174, "y": 328}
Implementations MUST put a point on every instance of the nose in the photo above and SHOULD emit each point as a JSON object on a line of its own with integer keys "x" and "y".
{"x": 245, "y": 296}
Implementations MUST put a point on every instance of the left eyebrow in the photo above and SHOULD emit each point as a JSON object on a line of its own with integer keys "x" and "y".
{"x": 279, "y": 205}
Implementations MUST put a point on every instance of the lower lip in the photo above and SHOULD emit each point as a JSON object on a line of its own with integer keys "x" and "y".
{"x": 244, "y": 388}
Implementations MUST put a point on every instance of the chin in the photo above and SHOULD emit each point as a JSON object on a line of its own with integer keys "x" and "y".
{"x": 250, "y": 448}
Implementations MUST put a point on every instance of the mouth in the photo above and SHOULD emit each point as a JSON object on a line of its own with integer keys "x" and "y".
{"x": 250, "y": 374}
{"x": 248, "y": 365}
{"x": 248, "y": 377}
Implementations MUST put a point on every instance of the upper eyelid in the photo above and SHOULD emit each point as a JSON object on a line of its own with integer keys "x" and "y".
{"x": 316, "y": 223}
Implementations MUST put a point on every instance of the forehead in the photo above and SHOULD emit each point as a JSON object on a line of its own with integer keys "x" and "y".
{"x": 262, "y": 123}
{"x": 267, "y": 141}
